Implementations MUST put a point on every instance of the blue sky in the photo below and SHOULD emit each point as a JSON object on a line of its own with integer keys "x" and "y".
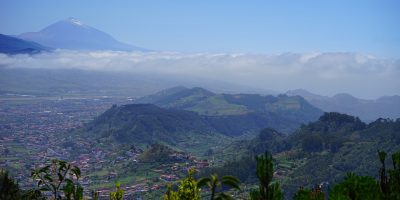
{"x": 369, "y": 27}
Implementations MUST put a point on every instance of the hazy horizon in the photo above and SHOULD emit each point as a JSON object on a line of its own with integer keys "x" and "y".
{"x": 323, "y": 47}
{"x": 322, "y": 73}
{"x": 187, "y": 99}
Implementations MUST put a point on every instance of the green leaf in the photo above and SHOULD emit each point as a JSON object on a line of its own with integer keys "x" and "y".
{"x": 230, "y": 178}
{"x": 48, "y": 177}
{"x": 76, "y": 171}
{"x": 231, "y": 184}
{"x": 203, "y": 182}
{"x": 223, "y": 196}
{"x": 60, "y": 177}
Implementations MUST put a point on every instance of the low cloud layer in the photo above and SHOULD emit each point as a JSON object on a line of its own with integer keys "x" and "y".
{"x": 323, "y": 73}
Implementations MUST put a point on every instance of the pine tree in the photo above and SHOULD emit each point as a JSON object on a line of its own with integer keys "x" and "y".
{"x": 267, "y": 190}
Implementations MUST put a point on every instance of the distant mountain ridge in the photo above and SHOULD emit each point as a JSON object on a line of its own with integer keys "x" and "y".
{"x": 203, "y": 101}
{"x": 243, "y": 110}
{"x": 75, "y": 35}
{"x": 143, "y": 124}
{"x": 13, "y": 45}
{"x": 367, "y": 110}
{"x": 181, "y": 116}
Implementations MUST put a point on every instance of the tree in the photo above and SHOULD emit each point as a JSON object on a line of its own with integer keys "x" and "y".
{"x": 267, "y": 189}
{"x": 307, "y": 194}
{"x": 394, "y": 177}
{"x": 356, "y": 188}
{"x": 312, "y": 143}
{"x": 170, "y": 194}
{"x": 9, "y": 190}
{"x": 384, "y": 183}
{"x": 187, "y": 189}
{"x": 118, "y": 194}
{"x": 73, "y": 191}
{"x": 95, "y": 195}
{"x": 56, "y": 177}
{"x": 213, "y": 182}
{"x": 390, "y": 186}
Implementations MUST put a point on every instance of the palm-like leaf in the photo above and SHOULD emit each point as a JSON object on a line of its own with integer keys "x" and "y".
{"x": 396, "y": 160}
{"x": 203, "y": 182}
{"x": 382, "y": 156}
{"x": 223, "y": 196}
{"x": 231, "y": 181}
{"x": 213, "y": 182}
{"x": 76, "y": 172}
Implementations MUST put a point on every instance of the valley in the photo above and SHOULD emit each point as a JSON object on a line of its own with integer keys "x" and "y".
{"x": 146, "y": 146}
{"x": 34, "y": 131}
{"x": 199, "y": 100}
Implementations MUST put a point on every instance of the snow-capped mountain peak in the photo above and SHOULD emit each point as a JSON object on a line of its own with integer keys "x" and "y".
{"x": 72, "y": 34}
{"x": 75, "y": 21}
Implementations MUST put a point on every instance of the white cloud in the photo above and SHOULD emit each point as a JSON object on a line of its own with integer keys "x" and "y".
{"x": 325, "y": 73}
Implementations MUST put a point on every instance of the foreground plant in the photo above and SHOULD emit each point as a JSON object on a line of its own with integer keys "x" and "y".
{"x": 170, "y": 194}
{"x": 187, "y": 189}
{"x": 307, "y": 194}
{"x": 8, "y": 188}
{"x": 118, "y": 194}
{"x": 59, "y": 178}
{"x": 213, "y": 182}
{"x": 267, "y": 189}
{"x": 390, "y": 184}
{"x": 367, "y": 188}
{"x": 356, "y": 188}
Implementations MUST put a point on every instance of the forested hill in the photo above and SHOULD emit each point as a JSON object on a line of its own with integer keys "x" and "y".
{"x": 146, "y": 123}
{"x": 319, "y": 152}
{"x": 143, "y": 124}
{"x": 281, "y": 112}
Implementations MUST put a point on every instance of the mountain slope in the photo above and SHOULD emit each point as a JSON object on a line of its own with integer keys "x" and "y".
{"x": 367, "y": 110}
{"x": 321, "y": 152}
{"x": 147, "y": 124}
{"x": 143, "y": 124}
{"x": 73, "y": 34}
{"x": 238, "y": 112}
{"x": 12, "y": 45}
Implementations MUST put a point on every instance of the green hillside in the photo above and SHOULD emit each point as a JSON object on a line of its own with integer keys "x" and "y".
{"x": 320, "y": 152}
{"x": 186, "y": 130}
{"x": 281, "y": 112}
{"x": 143, "y": 124}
